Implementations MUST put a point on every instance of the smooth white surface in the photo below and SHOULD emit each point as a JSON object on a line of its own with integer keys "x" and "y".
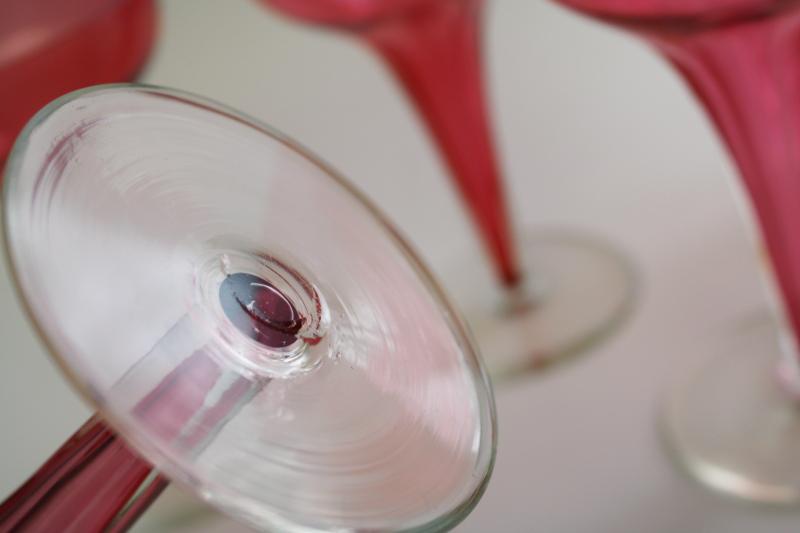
{"x": 596, "y": 133}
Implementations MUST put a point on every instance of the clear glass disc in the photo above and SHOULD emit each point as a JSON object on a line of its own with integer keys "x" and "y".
{"x": 731, "y": 423}
{"x": 243, "y": 317}
{"x": 577, "y": 290}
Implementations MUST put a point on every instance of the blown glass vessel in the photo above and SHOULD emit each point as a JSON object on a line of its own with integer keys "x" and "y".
{"x": 242, "y": 318}
{"x": 736, "y": 423}
{"x": 544, "y": 296}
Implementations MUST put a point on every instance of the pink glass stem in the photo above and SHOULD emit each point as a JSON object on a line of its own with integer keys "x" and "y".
{"x": 149, "y": 491}
{"x": 82, "y": 487}
{"x": 435, "y": 51}
{"x": 95, "y": 482}
{"x": 748, "y": 76}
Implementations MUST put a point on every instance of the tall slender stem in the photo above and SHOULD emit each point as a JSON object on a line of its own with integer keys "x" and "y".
{"x": 82, "y": 487}
{"x": 150, "y": 489}
{"x": 95, "y": 482}
{"x": 748, "y": 77}
{"x": 435, "y": 51}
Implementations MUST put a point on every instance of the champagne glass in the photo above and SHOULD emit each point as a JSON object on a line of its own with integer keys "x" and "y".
{"x": 736, "y": 425}
{"x": 242, "y": 319}
{"x": 51, "y": 47}
{"x": 553, "y": 293}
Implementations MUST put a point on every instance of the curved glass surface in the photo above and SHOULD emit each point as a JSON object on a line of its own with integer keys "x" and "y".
{"x": 243, "y": 317}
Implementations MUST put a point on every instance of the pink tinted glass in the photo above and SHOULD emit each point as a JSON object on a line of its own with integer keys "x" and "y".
{"x": 433, "y": 47}
{"x": 676, "y": 9}
{"x": 51, "y": 47}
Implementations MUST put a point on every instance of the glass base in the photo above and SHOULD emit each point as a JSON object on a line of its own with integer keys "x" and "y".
{"x": 733, "y": 426}
{"x": 577, "y": 290}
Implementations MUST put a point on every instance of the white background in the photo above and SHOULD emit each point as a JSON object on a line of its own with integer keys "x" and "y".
{"x": 596, "y": 134}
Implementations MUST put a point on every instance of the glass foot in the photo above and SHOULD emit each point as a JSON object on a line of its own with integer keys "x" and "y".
{"x": 733, "y": 426}
{"x": 578, "y": 289}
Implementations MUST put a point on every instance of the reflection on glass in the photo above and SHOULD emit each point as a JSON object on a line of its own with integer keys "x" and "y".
{"x": 243, "y": 318}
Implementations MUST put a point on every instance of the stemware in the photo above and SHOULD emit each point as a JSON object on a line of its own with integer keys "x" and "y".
{"x": 242, "y": 318}
{"x": 51, "y": 47}
{"x": 736, "y": 424}
{"x": 558, "y": 291}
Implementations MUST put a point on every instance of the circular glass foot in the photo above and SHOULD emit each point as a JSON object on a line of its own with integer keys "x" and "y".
{"x": 210, "y": 299}
{"x": 577, "y": 290}
{"x": 732, "y": 425}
